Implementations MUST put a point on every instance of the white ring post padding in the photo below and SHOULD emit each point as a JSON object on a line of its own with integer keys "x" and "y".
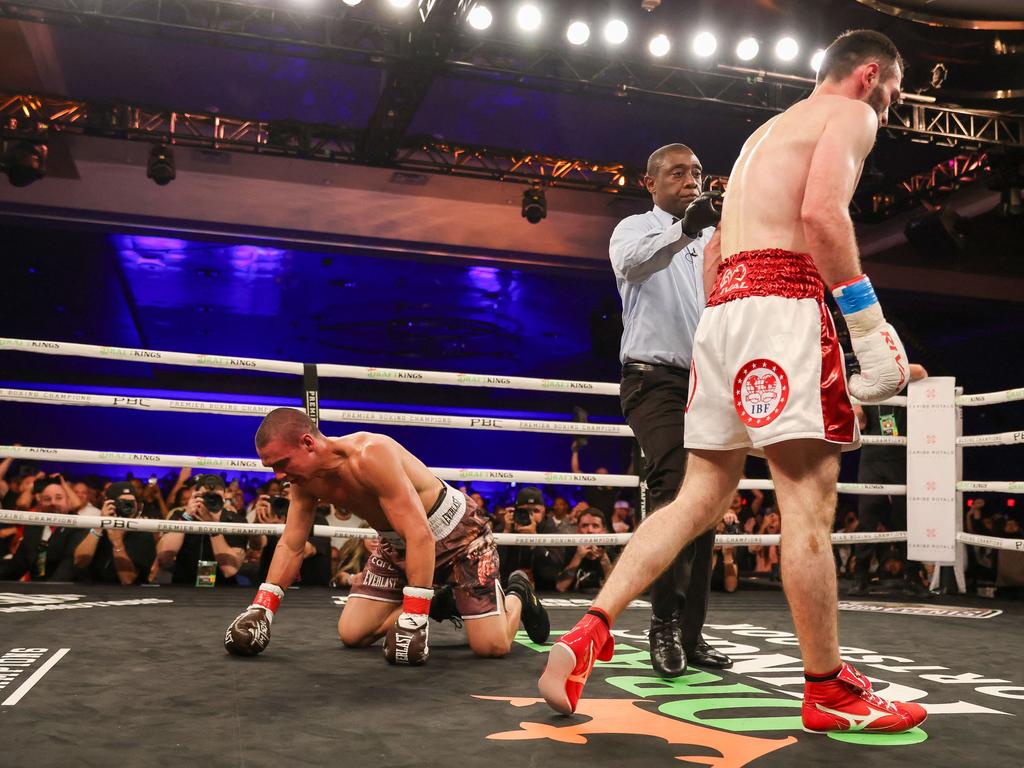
{"x": 253, "y": 465}
{"x": 992, "y": 398}
{"x": 991, "y": 542}
{"x": 335, "y": 415}
{"x": 991, "y": 486}
{"x": 1003, "y": 438}
{"x": 324, "y": 370}
{"x": 328, "y": 531}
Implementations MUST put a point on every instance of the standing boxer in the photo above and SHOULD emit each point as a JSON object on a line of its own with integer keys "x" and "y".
{"x": 431, "y": 534}
{"x": 768, "y": 373}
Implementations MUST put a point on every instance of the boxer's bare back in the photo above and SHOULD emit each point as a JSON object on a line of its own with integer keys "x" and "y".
{"x": 341, "y": 477}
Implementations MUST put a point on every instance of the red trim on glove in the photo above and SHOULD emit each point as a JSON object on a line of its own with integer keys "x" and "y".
{"x": 417, "y": 605}
{"x": 269, "y": 600}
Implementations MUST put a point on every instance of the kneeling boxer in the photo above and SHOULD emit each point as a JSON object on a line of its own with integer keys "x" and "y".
{"x": 430, "y": 535}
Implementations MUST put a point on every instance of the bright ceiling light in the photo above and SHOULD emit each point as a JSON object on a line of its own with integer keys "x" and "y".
{"x": 616, "y": 31}
{"x": 747, "y": 49}
{"x": 400, "y": 3}
{"x": 704, "y": 44}
{"x": 787, "y": 49}
{"x": 578, "y": 33}
{"x": 480, "y": 17}
{"x": 352, "y": 3}
{"x": 659, "y": 46}
{"x": 528, "y": 17}
{"x": 817, "y": 58}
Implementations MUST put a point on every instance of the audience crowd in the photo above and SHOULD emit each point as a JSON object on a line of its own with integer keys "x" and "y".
{"x": 116, "y": 555}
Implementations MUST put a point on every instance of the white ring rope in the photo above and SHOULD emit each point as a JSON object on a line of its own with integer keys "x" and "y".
{"x": 327, "y": 531}
{"x": 253, "y": 465}
{"x": 344, "y": 416}
{"x": 991, "y": 486}
{"x": 991, "y": 542}
{"x": 444, "y": 473}
{"x": 991, "y": 398}
{"x": 1002, "y": 438}
{"x": 324, "y": 370}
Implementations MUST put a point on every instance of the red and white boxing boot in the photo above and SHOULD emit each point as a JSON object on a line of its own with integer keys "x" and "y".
{"x": 571, "y": 659}
{"x": 845, "y": 703}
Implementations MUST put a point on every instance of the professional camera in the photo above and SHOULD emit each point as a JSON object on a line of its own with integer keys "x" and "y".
{"x": 279, "y": 506}
{"x": 126, "y": 507}
{"x": 522, "y": 517}
{"x": 733, "y": 529}
{"x": 213, "y": 502}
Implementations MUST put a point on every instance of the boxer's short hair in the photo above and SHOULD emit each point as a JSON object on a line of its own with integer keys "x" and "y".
{"x": 856, "y": 47}
{"x": 287, "y": 424}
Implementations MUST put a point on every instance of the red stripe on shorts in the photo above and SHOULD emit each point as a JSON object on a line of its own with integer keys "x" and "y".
{"x": 836, "y": 409}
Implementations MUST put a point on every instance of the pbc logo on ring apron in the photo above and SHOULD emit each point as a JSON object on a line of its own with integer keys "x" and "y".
{"x": 760, "y": 392}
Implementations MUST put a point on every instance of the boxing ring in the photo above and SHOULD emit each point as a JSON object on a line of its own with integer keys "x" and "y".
{"x": 140, "y": 671}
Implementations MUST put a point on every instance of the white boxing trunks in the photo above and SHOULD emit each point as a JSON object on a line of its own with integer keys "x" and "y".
{"x": 767, "y": 366}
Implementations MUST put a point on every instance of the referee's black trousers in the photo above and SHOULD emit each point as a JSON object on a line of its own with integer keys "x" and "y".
{"x": 653, "y": 403}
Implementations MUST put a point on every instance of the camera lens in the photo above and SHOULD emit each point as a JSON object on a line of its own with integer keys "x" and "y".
{"x": 279, "y": 506}
{"x": 213, "y": 502}
{"x": 521, "y": 516}
{"x": 124, "y": 507}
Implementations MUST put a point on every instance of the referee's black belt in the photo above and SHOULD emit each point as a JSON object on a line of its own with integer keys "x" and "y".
{"x": 644, "y": 367}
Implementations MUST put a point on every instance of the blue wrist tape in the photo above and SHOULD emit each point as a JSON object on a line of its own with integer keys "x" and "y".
{"x": 855, "y": 296}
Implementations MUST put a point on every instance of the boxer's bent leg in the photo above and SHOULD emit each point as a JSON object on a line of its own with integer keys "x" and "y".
{"x": 805, "y": 474}
{"x": 491, "y": 636}
{"x": 711, "y": 479}
{"x": 364, "y": 621}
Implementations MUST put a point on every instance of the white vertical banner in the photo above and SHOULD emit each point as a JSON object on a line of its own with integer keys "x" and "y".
{"x": 932, "y": 512}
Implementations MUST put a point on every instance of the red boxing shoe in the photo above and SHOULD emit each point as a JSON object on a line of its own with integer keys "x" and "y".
{"x": 572, "y": 658}
{"x": 846, "y": 703}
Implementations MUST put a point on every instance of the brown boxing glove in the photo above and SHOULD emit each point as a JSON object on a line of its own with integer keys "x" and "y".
{"x": 406, "y": 641}
{"x": 249, "y": 633}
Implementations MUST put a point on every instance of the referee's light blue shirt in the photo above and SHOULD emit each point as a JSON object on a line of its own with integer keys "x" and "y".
{"x": 660, "y": 275}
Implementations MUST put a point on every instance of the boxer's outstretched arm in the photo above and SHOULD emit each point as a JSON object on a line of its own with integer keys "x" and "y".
{"x": 832, "y": 176}
{"x": 290, "y": 551}
{"x": 379, "y": 467}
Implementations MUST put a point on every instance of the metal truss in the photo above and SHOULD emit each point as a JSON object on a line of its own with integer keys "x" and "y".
{"x": 943, "y": 179}
{"x": 433, "y": 39}
{"x": 34, "y": 118}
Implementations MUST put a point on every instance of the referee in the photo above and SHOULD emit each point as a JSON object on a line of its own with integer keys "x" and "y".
{"x": 658, "y": 259}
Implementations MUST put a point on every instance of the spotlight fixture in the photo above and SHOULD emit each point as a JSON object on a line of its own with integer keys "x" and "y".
{"x": 578, "y": 33}
{"x": 351, "y": 3}
{"x": 25, "y": 163}
{"x": 704, "y": 44}
{"x": 659, "y": 46}
{"x": 616, "y": 32}
{"x": 480, "y": 17}
{"x": 747, "y": 49}
{"x": 535, "y": 205}
{"x": 399, "y": 4}
{"x": 817, "y": 58}
{"x": 160, "y": 167}
{"x": 528, "y": 17}
{"x": 787, "y": 49}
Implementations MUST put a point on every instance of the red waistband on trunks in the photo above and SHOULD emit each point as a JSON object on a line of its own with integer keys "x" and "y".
{"x": 768, "y": 272}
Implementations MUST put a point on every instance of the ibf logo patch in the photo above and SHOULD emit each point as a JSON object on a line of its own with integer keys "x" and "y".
{"x": 760, "y": 392}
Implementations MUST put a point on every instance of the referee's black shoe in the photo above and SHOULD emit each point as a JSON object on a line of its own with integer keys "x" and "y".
{"x": 667, "y": 655}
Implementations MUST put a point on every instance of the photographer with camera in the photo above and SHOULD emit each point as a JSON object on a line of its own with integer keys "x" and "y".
{"x": 316, "y": 563}
{"x": 115, "y": 555}
{"x": 530, "y": 516}
{"x": 184, "y": 553}
{"x": 590, "y": 565}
